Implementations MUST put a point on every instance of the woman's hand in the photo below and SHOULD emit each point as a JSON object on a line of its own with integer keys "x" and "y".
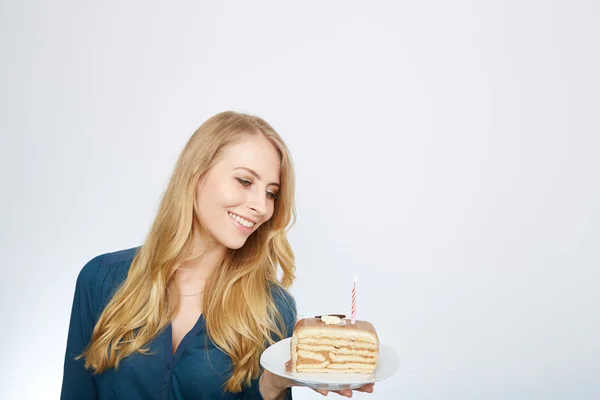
{"x": 368, "y": 388}
{"x": 272, "y": 387}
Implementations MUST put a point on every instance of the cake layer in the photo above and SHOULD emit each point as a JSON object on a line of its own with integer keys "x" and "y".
{"x": 337, "y": 350}
{"x": 348, "y": 368}
{"x": 337, "y": 365}
{"x": 333, "y": 342}
{"x": 338, "y": 333}
{"x": 337, "y": 358}
{"x": 333, "y": 371}
{"x": 310, "y": 356}
{"x": 344, "y": 366}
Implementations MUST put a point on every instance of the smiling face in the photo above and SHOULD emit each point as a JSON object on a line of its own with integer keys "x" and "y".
{"x": 238, "y": 193}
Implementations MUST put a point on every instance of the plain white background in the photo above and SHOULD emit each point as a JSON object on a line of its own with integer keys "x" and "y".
{"x": 446, "y": 151}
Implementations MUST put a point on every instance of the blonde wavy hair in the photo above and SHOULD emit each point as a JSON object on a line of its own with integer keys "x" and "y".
{"x": 241, "y": 317}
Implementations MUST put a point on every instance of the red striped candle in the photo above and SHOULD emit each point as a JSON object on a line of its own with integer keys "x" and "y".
{"x": 354, "y": 300}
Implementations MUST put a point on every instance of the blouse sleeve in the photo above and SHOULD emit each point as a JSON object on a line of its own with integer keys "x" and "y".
{"x": 78, "y": 383}
{"x": 287, "y": 307}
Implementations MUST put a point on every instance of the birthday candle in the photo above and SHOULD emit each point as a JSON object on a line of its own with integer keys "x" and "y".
{"x": 354, "y": 300}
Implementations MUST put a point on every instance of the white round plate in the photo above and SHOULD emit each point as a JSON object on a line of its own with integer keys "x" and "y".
{"x": 275, "y": 357}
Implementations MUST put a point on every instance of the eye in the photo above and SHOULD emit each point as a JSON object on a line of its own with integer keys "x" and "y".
{"x": 272, "y": 195}
{"x": 244, "y": 182}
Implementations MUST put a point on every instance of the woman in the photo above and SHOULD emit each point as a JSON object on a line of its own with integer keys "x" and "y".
{"x": 188, "y": 314}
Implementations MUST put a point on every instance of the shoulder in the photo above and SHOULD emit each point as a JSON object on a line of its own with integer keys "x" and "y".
{"x": 100, "y": 276}
{"x": 286, "y": 306}
{"x": 102, "y": 265}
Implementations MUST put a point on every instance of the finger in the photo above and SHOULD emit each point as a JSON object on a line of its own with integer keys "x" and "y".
{"x": 323, "y": 392}
{"x": 368, "y": 388}
{"x": 344, "y": 392}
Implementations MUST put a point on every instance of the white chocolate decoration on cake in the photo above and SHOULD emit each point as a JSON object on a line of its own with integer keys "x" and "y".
{"x": 332, "y": 320}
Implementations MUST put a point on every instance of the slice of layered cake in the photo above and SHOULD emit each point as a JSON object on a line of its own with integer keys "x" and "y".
{"x": 333, "y": 344}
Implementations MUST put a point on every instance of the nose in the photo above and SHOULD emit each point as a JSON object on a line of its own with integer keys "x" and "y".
{"x": 257, "y": 202}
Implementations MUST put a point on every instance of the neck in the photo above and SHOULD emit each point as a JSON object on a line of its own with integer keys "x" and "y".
{"x": 205, "y": 256}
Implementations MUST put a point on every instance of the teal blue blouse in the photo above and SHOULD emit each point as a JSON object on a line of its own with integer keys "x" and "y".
{"x": 197, "y": 370}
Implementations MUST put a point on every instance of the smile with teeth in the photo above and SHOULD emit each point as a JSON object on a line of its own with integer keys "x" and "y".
{"x": 241, "y": 221}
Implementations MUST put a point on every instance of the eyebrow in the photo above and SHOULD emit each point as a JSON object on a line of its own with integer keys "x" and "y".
{"x": 256, "y": 175}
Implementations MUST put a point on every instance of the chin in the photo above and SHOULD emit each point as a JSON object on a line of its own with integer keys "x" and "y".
{"x": 236, "y": 247}
{"x": 234, "y": 244}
